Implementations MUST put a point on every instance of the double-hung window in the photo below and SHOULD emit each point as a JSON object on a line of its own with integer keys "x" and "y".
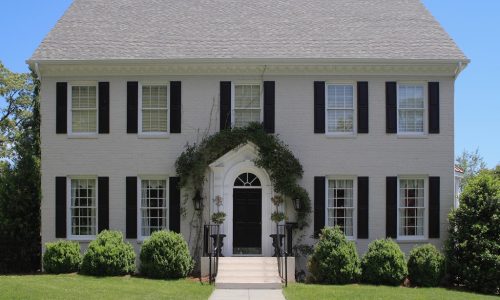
{"x": 411, "y": 108}
{"x": 411, "y": 207}
{"x": 154, "y": 108}
{"x": 340, "y": 205}
{"x": 247, "y": 104}
{"x": 153, "y": 208}
{"x": 83, "y": 109}
{"x": 340, "y": 108}
{"x": 83, "y": 207}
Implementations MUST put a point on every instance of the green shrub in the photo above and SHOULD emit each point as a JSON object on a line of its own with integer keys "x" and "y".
{"x": 384, "y": 263}
{"x": 473, "y": 247}
{"x": 425, "y": 266}
{"x": 108, "y": 254}
{"x": 334, "y": 259}
{"x": 62, "y": 257}
{"x": 165, "y": 255}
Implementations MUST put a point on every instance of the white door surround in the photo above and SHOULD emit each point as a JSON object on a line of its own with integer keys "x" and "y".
{"x": 223, "y": 173}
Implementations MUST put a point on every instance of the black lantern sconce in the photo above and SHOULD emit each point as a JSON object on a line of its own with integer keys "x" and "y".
{"x": 198, "y": 200}
{"x": 297, "y": 204}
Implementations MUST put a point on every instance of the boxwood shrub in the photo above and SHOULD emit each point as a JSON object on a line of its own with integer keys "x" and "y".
{"x": 108, "y": 254}
{"x": 334, "y": 259}
{"x": 165, "y": 255}
{"x": 425, "y": 266}
{"x": 62, "y": 257}
{"x": 384, "y": 263}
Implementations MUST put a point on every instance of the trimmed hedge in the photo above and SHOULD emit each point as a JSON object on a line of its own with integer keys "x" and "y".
{"x": 62, "y": 257}
{"x": 334, "y": 260}
{"x": 425, "y": 266}
{"x": 165, "y": 255}
{"x": 108, "y": 254}
{"x": 384, "y": 263}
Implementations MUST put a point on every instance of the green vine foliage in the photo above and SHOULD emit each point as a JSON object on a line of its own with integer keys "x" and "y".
{"x": 283, "y": 167}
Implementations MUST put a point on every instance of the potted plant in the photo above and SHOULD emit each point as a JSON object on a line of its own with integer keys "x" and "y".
{"x": 218, "y": 218}
{"x": 277, "y": 217}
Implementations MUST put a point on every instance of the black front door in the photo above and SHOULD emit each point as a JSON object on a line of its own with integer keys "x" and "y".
{"x": 247, "y": 221}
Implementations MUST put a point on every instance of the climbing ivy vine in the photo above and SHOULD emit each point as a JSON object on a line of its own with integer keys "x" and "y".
{"x": 283, "y": 167}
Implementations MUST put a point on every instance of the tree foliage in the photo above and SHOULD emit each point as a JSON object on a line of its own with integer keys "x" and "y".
{"x": 19, "y": 173}
{"x": 471, "y": 162}
{"x": 16, "y": 89}
{"x": 473, "y": 245}
{"x": 283, "y": 167}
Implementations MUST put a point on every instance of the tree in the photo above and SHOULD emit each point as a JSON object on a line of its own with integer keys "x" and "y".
{"x": 473, "y": 245}
{"x": 16, "y": 89}
{"x": 20, "y": 176}
{"x": 471, "y": 162}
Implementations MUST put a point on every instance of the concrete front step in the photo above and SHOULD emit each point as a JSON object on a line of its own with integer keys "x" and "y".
{"x": 248, "y": 273}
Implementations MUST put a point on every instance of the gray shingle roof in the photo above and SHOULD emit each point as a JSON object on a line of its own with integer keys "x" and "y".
{"x": 243, "y": 29}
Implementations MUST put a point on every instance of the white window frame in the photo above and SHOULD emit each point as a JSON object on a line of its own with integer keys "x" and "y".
{"x": 156, "y": 134}
{"x": 68, "y": 208}
{"x": 426, "y": 100}
{"x": 426, "y": 208}
{"x": 140, "y": 237}
{"x": 233, "y": 99}
{"x": 354, "y": 109}
{"x": 354, "y": 202}
{"x": 69, "y": 111}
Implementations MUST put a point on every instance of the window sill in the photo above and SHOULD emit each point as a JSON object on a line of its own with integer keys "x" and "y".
{"x": 412, "y": 136}
{"x": 411, "y": 240}
{"x": 83, "y": 135}
{"x": 341, "y": 136}
{"x": 153, "y": 135}
{"x": 86, "y": 239}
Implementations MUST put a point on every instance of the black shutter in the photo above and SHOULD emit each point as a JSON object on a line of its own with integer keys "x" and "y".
{"x": 269, "y": 99}
{"x": 175, "y": 107}
{"x": 103, "y": 203}
{"x": 363, "y": 192}
{"x": 225, "y": 105}
{"x": 131, "y": 203}
{"x": 174, "y": 204}
{"x": 103, "y": 107}
{"x": 433, "y": 107}
{"x": 132, "y": 102}
{"x": 391, "y": 107}
{"x": 61, "y": 107}
{"x": 319, "y": 204}
{"x": 391, "y": 207}
{"x": 319, "y": 107}
{"x": 434, "y": 195}
{"x": 363, "y": 107}
{"x": 60, "y": 207}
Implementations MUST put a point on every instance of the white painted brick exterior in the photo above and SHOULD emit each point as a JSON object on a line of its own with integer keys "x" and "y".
{"x": 376, "y": 154}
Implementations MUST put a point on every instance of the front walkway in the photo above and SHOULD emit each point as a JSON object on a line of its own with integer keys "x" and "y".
{"x": 251, "y": 294}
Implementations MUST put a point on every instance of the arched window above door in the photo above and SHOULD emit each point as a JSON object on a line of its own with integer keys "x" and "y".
{"x": 247, "y": 179}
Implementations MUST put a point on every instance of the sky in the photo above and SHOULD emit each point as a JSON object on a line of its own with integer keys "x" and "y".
{"x": 474, "y": 25}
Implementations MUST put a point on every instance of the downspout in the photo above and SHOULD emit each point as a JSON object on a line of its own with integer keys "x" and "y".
{"x": 459, "y": 69}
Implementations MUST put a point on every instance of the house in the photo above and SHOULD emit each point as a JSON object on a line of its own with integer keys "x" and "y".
{"x": 459, "y": 176}
{"x": 362, "y": 92}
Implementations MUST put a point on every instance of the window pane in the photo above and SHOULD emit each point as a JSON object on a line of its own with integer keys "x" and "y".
{"x": 243, "y": 117}
{"x": 340, "y": 120}
{"x": 340, "y": 96}
{"x": 84, "y": 109}
{"x": 411, "y": 207}
{"x": 411, "y": 108}
{"x": 154, "y": 108}
{"x": 83, "y": 207}
{"x": 340, "y": 205}
{"x": 247, "y": 106}
{"x": 153, "y": 206}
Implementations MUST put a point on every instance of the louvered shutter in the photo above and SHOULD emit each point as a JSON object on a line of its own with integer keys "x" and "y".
{"x": 391, "y": 107}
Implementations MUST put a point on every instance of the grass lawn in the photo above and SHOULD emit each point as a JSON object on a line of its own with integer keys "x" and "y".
{"x": 355, "y": 291}
{"x": 74, "y": 286}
